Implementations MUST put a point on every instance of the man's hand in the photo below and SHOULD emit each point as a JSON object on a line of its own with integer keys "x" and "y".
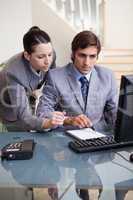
{"x": 81, "y": 121}
{"x": 56, "y": 119}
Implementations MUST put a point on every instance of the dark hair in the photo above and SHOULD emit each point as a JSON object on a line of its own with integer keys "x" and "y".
{"x": 33, "y": 37}
{"x": 85, "y": 39}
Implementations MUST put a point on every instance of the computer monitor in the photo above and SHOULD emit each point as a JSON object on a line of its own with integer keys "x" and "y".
{"x": 124, "y": 121}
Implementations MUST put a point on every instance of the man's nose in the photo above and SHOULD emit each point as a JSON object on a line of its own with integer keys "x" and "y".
{"x": 87, "y": 60}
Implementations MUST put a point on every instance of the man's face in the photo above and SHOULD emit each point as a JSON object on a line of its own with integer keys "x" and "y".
{"x": 42, "y": 57}
{"x": 85, "y": 59}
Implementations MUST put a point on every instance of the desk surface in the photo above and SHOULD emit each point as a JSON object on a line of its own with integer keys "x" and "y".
{"x": 54, "y": 163}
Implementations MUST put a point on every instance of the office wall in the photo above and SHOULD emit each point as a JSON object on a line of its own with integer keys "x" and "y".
{"x": 118, "y": 24}
{"x": 59, "y": 30}
{"x": 16, "y": 16}
{"x": 15, "y": 20}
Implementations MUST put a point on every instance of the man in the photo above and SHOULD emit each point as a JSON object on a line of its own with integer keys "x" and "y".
{"x": 86, "y": 92}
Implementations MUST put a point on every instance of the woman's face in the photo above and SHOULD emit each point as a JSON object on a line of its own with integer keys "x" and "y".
{"x": 42, "y": 57}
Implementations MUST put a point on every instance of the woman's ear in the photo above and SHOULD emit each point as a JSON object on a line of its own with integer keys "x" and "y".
{"x": 26, "y": 55}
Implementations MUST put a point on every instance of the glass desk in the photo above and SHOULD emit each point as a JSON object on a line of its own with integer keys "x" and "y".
{"x": 56, "y": 167}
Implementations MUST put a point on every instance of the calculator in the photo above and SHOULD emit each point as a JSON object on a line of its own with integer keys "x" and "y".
{"x": 18, "y": 151}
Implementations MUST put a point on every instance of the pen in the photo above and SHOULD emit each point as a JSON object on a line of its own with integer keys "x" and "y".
{"x": 92, "y": 128}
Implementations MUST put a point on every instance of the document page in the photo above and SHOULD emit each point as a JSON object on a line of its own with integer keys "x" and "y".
{"x": 85, "y": 134}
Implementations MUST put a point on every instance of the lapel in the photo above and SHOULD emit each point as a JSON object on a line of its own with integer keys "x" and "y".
{"x": 75, "y": 86}
{"x": 93, "y": 92}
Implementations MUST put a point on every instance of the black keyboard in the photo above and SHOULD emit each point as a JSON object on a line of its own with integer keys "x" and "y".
{"x": 96, "y": 144}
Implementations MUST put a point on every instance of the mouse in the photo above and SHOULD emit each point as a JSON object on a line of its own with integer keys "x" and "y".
{"x": 131, "y": 157}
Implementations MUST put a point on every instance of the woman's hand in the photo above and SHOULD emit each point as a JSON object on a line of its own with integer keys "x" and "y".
{"x": 56, "y": 120}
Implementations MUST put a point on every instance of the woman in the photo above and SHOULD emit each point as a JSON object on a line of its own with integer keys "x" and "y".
{"x": 22, "y": 75}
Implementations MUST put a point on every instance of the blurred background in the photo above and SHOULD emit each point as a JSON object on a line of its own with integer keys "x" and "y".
{"x": 111, "y": 20}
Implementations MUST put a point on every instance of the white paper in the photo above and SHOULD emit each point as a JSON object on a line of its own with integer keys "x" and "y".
{"x": 85, "y": 134}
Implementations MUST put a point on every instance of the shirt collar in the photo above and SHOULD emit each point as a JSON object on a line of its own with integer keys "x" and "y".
{"x": 88, "y": 75}
{"x": 78, "y": 75}
{"x": 35, "y": 72}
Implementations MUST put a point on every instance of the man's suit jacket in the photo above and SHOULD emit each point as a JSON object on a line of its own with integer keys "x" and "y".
{"x": 63, "y": 92}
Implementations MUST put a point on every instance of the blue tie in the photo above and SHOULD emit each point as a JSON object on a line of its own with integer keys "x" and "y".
{"x": 84, "y": 88}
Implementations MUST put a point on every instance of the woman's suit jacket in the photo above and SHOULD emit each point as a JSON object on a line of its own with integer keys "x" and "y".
{"x": 18, "y": 81}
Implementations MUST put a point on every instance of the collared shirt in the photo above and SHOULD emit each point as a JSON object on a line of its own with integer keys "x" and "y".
{"x": 35, "y": 72}
{"x": 78, "y": 75}
{"x": 36, "y": 78}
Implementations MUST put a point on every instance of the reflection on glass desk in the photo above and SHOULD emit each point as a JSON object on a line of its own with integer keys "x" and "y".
{"x": 54, "y": 165}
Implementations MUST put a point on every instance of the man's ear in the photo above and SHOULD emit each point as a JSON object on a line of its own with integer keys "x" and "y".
{"x": 26, "y": 55}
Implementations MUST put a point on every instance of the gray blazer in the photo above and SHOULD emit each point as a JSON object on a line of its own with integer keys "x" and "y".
{"x": 17, "y": 83}
{"x": 62, "y": 92}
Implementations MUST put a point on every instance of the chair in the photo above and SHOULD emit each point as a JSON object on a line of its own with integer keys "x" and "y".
{"x": 2, "y": 127}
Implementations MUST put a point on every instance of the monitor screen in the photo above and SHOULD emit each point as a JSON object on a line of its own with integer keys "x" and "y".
{"x": 124, "y": 121}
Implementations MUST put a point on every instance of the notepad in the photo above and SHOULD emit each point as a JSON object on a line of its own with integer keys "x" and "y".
{"x": 85, "y": 134}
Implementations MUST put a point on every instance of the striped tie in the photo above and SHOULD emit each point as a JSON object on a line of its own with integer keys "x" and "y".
{"x": 84, "y": 88}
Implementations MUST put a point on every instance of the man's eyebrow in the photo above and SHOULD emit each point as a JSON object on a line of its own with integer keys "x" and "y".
{"x": 84, "y": 54}
{"x": 90, "y": 55}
